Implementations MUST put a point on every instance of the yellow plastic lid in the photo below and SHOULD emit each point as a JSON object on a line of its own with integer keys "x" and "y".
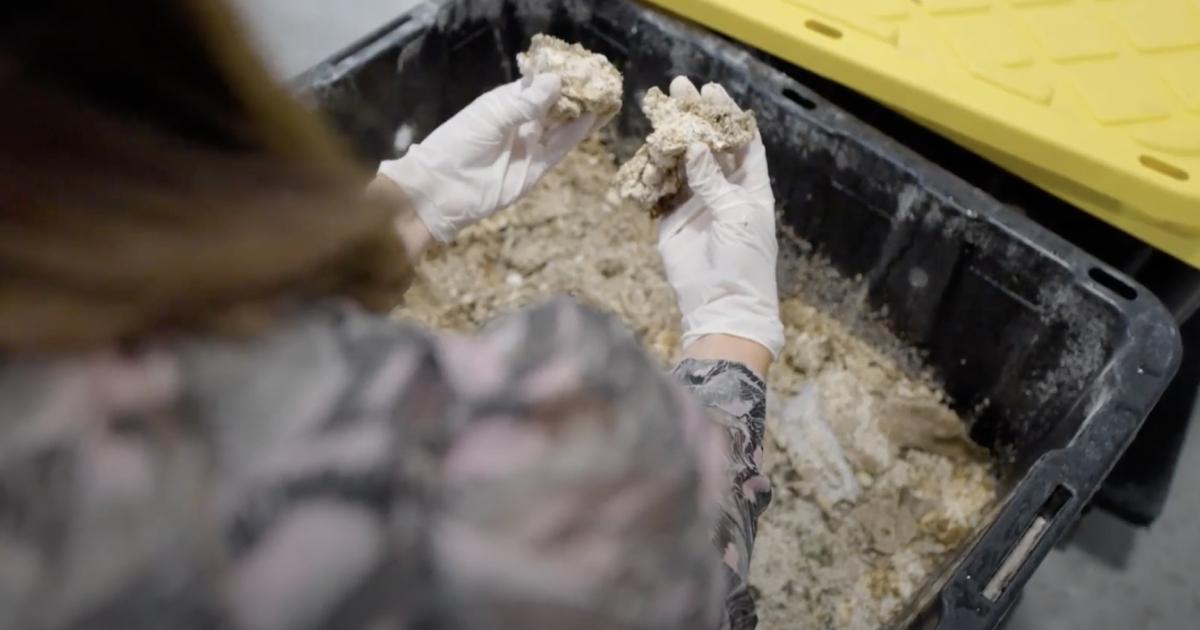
{"x": 1097, "y": 101}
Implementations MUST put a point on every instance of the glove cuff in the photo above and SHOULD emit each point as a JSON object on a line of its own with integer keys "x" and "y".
{"x": 418, "y": 183}
{"x": 750, "y": 318}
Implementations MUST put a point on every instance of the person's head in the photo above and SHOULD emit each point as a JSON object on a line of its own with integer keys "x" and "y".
{"x": 154, "y": 178}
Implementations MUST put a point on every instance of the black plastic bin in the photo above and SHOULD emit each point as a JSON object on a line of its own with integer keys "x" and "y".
{"x": 1056, "y": 357}
{"x": 1138, "y": 488}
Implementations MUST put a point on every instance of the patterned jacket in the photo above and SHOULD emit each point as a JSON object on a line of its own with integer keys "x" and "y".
{"x": 346, "y": 472}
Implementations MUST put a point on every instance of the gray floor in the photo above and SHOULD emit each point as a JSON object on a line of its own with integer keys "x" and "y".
{"x": 1113, "y": 576}
{"x": 1108, "y": 577}
{"x": 296, "y": 34}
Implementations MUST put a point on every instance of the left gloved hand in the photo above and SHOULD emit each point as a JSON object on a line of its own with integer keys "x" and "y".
{"x": 488, "y": 155}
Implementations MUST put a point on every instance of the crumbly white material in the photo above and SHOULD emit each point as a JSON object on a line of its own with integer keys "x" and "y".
{"x": 876, "y": 484}
{"x": 654, "y": 174}
{"x": 849, "y": 551}
{"x": 590, "y": 82}
{"x": 814, "y": 450}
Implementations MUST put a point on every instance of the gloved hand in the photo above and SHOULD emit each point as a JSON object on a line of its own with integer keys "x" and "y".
{"x": 719, "y": 246}
{"x": 488, "y": 155}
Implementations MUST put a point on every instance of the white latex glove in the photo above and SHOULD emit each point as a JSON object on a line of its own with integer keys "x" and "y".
{"x": 719, "y": 246}
{"x": 488, "y": 155}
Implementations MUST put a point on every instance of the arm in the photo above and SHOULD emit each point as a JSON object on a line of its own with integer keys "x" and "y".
{"x": 736, "y": 399}
{"x": 719, "y": 249}
{"x": 751, "y": 354}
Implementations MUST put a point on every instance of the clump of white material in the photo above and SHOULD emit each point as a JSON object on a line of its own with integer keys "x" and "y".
{"x": 853, "y": 415}
{"x": 814, "y": 449}
{"x": 848, "y": 538}
{"x": 654, "y": 174}
{"x": 590, "y": 82}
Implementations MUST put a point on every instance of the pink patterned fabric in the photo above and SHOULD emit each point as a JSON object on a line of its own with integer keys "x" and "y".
{"x": 345, "y": 472}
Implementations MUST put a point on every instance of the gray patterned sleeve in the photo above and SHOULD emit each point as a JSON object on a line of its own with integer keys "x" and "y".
{"x": 736, "y": 399}
{"x": 343, "y": 472}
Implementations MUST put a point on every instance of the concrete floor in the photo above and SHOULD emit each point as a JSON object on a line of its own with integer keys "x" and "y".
{"x": 297, "y": 34}
{"x": 1107, "y": 577}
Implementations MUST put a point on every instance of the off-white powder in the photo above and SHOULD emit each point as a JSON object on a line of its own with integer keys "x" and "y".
{"x": 875, "y": 483}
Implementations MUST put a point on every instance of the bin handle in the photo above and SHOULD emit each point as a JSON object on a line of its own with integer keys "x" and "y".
{"x": 1027, "y": 543}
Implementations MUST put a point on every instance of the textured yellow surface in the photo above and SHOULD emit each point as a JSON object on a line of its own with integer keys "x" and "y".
{"x": 1097, "y": 101}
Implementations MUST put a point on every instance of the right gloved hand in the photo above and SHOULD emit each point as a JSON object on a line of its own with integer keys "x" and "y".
{"x": 719, "y": 246}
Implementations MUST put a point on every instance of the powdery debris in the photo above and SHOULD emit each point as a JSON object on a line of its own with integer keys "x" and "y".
{"x": 654, "y": 174}
{"x": 817, "y": 458}
{"x": 569, "y": 235}
{"x": 925, "y": 486}
{"x": 590, "y": 83}
{"x": 875, "y": 484}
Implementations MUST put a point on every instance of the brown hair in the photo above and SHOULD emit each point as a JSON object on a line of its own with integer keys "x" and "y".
{"x": 154, "y": 177}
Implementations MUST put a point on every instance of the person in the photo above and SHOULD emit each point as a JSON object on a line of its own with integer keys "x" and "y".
{"x": 208, "y": 420}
